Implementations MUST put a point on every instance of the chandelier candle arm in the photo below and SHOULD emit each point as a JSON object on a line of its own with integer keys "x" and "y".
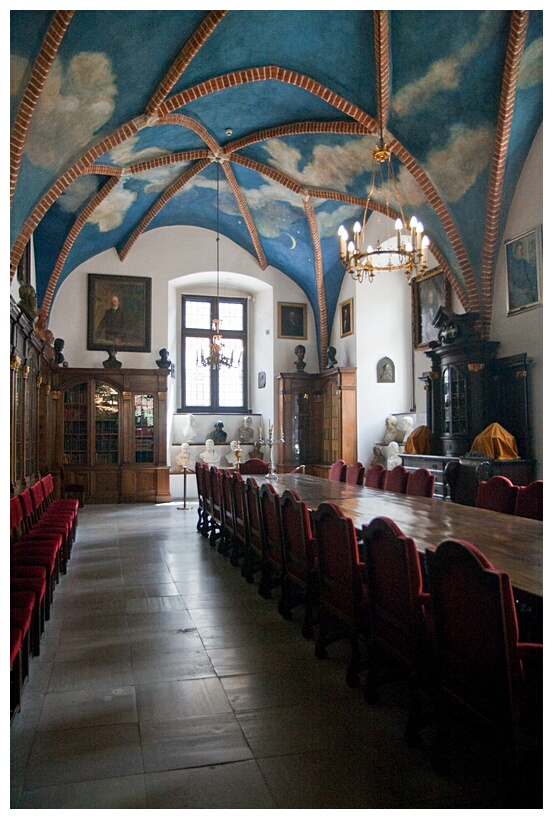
{"x": 411, "y": 251}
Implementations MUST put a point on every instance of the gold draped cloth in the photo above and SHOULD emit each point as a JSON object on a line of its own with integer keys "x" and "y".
{"x": 495, "y": 442}
{"x": 418, "y": 443}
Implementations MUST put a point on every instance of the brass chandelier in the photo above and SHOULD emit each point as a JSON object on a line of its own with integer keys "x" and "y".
{"x": 216, "y": 357}
{"x": 410, "y": 249}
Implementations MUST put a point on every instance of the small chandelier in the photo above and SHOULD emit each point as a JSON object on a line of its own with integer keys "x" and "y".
{"x": 216, "y": 358}
{"x": 411, "y": 246}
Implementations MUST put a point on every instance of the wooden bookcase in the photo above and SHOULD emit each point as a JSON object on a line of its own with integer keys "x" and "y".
{"x": 111, "y": 433}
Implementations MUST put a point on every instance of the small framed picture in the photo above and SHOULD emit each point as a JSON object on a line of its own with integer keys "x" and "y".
{"x": 119, "y": 313}
{"x": 346, "y": 318}
{"x": 292, "y": 320}
{"x": 431, "y": 290}
{"x": 523, "y": 254}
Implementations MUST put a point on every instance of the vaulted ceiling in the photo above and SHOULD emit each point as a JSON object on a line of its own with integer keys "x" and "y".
{"x": 119, "y": 119}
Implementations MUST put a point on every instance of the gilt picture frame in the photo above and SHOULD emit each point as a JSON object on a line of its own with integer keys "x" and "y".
{"x": 523, "y": 255}
{"x": 292, "y": 320}
{"x": 346, "y": 318}
{"x": 119, "y": 313}
{"x": 430, "y": 291}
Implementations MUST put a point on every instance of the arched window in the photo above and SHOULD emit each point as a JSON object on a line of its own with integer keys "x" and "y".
{"x": 205, "y": 389}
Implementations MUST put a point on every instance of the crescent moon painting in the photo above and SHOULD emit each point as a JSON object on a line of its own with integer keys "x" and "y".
{"x": 292, "y": 240}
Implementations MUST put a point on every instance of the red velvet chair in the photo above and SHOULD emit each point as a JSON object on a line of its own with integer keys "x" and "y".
{"x": 338, "y": 471}
{"x": 343, "y": 610}
{"x": 238, "y": 488}
{"x": 396, "y": 480}
{"x": 485, "y": 674}
{"x": 400, "y": 632}
{"x": 216, "y": 521}
{"x": 497, "y": 494}
{"x": 529, "y": 502}
{"x": 37, "y": 586}
{"x": 375, "y": 477}
{"x": 253, "y": 554}
{"x": 299, "y": 581}
{"x": 228, "y": 531}
{"x": 16, "y": 679}
{"x": 22, "y": 606}
{"x": 204, "y": 491}
{"x": 254, "y": 466}
{"x": 355, "y": 474}
{"x": 420, "y": 484}
{"x": 271, "y": 531}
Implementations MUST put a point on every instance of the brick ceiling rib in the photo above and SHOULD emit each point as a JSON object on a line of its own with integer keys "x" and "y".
{"x": 515, "y": 48}
{"x": 382, "y": 58}
{"x": 189, "y": 51}
{"x": 41, "y": 68}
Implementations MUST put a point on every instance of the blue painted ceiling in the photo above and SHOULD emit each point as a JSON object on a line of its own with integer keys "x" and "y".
{"x": 445, "y": 71}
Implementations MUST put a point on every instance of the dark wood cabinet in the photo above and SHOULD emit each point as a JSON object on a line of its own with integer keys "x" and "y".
{"x": 112, "y": 433}
{"x": 318, "y": 416}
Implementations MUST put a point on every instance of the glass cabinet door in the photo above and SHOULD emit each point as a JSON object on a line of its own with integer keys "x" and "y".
{"x": 75, "y": 425}
{"x": 106, "y": 423}
{"x": 144, "y": 429}
{"x": 454, "y": 402}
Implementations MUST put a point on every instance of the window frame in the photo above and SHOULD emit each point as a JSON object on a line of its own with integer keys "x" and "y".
{"x": 201, "y": 333}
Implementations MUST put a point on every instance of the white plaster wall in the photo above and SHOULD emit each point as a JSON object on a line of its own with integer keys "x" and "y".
{"x": 523, "y": 333}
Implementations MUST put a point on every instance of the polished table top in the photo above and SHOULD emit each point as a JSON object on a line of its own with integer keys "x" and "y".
{"x": 513, "y": 544}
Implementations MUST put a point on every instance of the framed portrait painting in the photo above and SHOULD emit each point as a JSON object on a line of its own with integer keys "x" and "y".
{"x": 292, "y": 320}
{"x": 431, "y": 291}
{"x": 119, "y": 313}
{"x": 346, "y": 318}
{"x": 523, "y": 255}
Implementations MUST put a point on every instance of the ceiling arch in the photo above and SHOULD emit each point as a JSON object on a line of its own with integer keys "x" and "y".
{"x": 118, "y": 120}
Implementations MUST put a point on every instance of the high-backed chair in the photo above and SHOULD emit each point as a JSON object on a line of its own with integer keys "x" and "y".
{"x": 396, "y": 480}
{"x": 271, "y": 562}
{"x": 299, "y": 580}
{"x": 228, "y": 530}
{"x": 529, "y": 502}
{"x": 238, "y": 488}
{"x": 420, "y": 484}
{"x": 464, "y": 475}
{"x": 497, "y": 494}
{"x": 343, "y": 610}
{"x": 216, "y": 522}
{"x": 398, "y": 611}
{"x": 375, "y": 476}
{"x": 485, "y": 674}
{"x": 254, "y": 466}
{"x": 204, "y": 491}
{"x": 355, "y": 474}
{"x": 337, "y": 471}
{"x": 253, "y": 554}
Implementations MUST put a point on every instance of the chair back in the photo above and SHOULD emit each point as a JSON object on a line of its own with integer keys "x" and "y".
{"x": 299, "y": 553}
{"x": 298, "y": 470}
{"x": 396, "y": 599}
{"x": 355, "y": 474}
{"x": 204, "y": 493}
{"x": 37, "y": 497}
{"x": 339, "y": 567}
{"x": 463, "y": 476}
{"x": 217, "y": 505}
{"x": 229, "y": 529}
{"x": 396, "y": 480}
{"x": 16, "y": 517}
{"x": 254, "y": 466}
{"x": 338, "y": 471}
{"x": 420, "y": 484}
{"x": 238, "y": 486}
{"x": 254, "y": 535}
{"x": 27, "y": 508}
{"x": 497, "y": 494}
{"x": 476, "y": 631}
{"x": 529, "y": 502}
{"x": 375, "y": 476}
{"x": 270, "y": 525}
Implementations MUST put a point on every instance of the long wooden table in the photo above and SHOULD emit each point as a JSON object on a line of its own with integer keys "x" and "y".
{"x": 513, "y": 544}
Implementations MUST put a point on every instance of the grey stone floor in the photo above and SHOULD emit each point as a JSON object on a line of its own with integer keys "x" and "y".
{"x": 165, "y": 681}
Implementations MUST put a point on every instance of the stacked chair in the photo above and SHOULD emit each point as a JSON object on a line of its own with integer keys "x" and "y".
{"x": 42, "y": 531}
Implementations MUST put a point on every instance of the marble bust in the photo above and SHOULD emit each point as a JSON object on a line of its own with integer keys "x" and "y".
{"x": 393, "y": 455}
{"x": 183, "y": 457}
{"x": 245, "y": 433}
{"x": 209, "y": 455}
{"x": 189, "y": 428}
